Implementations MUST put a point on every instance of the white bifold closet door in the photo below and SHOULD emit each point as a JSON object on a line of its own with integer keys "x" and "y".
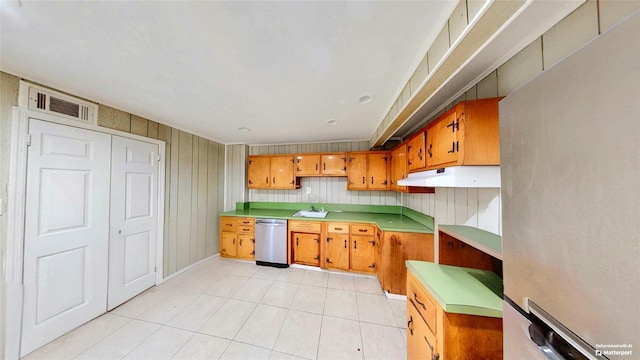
{"x": 134, "y": 217}
{"x": 66, "y": 231}
{"x": 90, "y": 227}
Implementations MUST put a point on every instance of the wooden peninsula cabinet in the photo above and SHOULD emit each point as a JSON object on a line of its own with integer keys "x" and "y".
{"x": 462, "y": 322}
{"x": 396, "y": 249}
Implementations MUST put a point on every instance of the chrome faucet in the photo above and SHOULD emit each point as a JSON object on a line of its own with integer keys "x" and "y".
{"x": 313, "y": 208}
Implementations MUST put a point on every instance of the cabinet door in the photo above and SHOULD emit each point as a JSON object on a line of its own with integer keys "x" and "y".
{"x": 228, "y": 247}
{"x": 398, "y": 166}
{"x": 442, "y": 140}
{"x": 259, "y": 173}
{"x": 357, "y": 171}
{"x": 334, "y": 164}
{"x": 377, "y": 171}
{"x": 307, "y": 165}
{"x": 416, "y": 158}
{"x": 421, "y": 343}
{"x": 337, "y": 248}
{"x": 282, "y": 176}
{"x": 362, "y": 253}
{"x": 307, "y": 249}
{"x": 246, "y": 246}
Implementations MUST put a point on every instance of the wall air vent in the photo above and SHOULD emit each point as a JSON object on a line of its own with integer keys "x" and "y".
{"x": 48, "y": 101}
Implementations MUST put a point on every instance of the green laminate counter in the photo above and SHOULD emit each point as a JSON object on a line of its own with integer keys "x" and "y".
{"x": 482, "y": 240}
{"x": 460, "y": 290}
{"x": 384, "y": 221}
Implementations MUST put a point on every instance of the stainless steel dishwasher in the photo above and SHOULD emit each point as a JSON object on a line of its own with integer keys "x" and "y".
{"x": 271, "y": 242}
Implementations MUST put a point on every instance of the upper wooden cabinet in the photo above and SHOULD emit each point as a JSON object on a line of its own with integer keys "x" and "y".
{"x": 271, "y": 171}
{"x": 416, "y": 156}
{"x": 307, "y": 164}
{"x": 398, "y": 166}
{"x": 468, "y": 134}
{"x": 333, "y": 164}
{"x": 368, "y": 170}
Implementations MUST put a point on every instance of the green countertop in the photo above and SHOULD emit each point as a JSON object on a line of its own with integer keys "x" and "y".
{"x": 461, "y": 290}
{"x": 482, "y": 240}
{"x": 384, "y": 221}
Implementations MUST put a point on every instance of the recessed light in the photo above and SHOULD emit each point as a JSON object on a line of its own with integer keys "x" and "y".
{"x": 244, "y": 129}
{"x": 365, "y": 98}
{"x": 332, "y": 121}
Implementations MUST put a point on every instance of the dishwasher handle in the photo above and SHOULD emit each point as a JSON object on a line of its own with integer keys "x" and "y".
{"x": 272, "y": 222}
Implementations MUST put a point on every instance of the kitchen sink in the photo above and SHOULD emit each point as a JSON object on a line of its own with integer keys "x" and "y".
{"x": 311, "y": 214}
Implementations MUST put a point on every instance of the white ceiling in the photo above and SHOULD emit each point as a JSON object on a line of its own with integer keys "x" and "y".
{"x": 281, "y": 69}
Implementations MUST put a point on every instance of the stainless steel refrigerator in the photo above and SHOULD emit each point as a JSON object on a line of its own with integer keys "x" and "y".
{"x": 570, "y": 168}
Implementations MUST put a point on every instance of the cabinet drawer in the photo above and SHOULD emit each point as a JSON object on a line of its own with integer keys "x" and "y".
{"x": 422, "y": 301}
{"x": 228, "y": 223}
{"x": 339, "y": 228}
{"x": 305, "y": 226}
{"x": 246, "y": 221}
{"x": 244, "y": 229}
{"x": 362, "y": 229}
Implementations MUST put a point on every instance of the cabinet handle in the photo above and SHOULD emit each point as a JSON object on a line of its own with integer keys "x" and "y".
{"x": 345, "y": 244}
{"x": 363, "y": 179}
{"x": 372, "y": 180}
{"x": 429, "y": 150}
{"x": 296, "y": 241}
{"x": 316, "y": 166}
{"x": 250, "y": 182}
{"x": 420, "y": 154}
{"x": 229, "y": 224}
{"x": 253, "y": 241}
{"x": 317, "y": 257}
{"x": 338, "y": 228}
{"x": 274, "y": 179}
{"x": 329, "y": 239}
{"x": 433, "y": 356}
{"x": 329, "y": 261}
{"x": 324, "y": 166}
{"x": 409, "y": 324}
{"x": 355, "y": 244}
{"x": 240, "y": 242}
{"x": 317, "y": 240}
{"x": 373, "y": 265}
{"x": 233, "y": 241}
{"x": 362, "y": 230}
{"x": 253, "y": 252}
{"x": 266, "y": 180}
{"x": 415, "y": 297}
{"x": 453, "y": 148}
{"x": 373, "y": 242}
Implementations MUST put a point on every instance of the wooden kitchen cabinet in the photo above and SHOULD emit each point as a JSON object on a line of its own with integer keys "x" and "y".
{"x": 416, "y": 156}
{"x": 272, "y": 172}
{"x": 398, "y": 166}
{"x": 307, "y": 249}
{"x": 368, "y": 170}
{"x": 237, "y": 237}
{"x": 397, "y": 247}
{"x": 334, "y": 164}
{"x": 307, "y": 164}
{"x": 433, "y": 333}
{"x": 228, "y": 246}
{"x": 304, "y": 237}
{"x": 467, "y": 134}
{"x": 337, "y": 246}
{"x": 362, "y": 248}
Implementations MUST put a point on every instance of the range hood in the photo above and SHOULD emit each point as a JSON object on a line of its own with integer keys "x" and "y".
{"x": 456, "y": 176}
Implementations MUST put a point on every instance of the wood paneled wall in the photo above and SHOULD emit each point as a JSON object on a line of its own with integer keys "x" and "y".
{"x": 323, "y": 189}
{"x": 481, "y": 207}
{"x": 194, "y": 187}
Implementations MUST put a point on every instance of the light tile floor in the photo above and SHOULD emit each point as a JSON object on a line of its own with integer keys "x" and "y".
{"x": 228, "y": 309}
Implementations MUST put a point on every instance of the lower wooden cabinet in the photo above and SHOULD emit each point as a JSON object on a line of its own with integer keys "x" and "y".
{"x": 337, "y": 245}
{"x": 237, "y": 237}
{"x": 304, "y": 238}
{"x": 396, "y": 248}
{"x": 306, "y": 249}
{"x": 433, "y": 333}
